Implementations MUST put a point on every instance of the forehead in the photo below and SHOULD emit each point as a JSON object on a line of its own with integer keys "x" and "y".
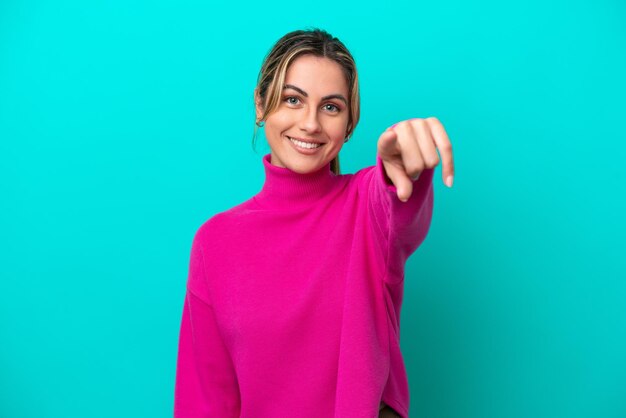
{"x": 317, "y": 75}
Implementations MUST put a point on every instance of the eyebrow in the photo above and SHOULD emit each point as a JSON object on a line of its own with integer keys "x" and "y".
{"x": 304, "y": 93}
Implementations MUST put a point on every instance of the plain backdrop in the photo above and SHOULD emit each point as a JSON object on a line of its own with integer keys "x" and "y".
{"x": 124, "y": 125}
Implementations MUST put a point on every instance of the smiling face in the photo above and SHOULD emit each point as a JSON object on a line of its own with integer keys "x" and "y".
{"x": 314, "y": 109}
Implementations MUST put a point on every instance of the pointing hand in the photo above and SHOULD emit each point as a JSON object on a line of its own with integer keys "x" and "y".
{"x": 409, "y": 147}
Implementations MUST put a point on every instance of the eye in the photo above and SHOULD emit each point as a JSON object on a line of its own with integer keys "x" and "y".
{"x": 333, "y": 108}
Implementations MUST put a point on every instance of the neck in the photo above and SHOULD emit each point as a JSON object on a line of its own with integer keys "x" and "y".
{"x": 286, "y": 187}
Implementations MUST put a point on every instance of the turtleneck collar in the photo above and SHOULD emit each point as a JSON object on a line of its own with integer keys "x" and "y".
{"x": 286, "y": 187}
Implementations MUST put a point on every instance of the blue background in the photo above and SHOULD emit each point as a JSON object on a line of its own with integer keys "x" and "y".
{"x": 124, "y": 125}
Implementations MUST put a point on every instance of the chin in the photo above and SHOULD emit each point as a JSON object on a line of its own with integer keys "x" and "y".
{"x": 303, "y": 163}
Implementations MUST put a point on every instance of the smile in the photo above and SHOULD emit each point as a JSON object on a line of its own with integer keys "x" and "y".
{"x": 307, "y": 145}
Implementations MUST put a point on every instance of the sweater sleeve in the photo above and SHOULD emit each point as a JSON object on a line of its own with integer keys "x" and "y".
{"x": 401, "y": 226}
{"x": 206, "y": 383}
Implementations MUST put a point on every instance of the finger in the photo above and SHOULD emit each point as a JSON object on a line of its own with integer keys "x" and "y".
{"x": 426, "y": 143}
{"x": 399, "y": 178}
{"x": 390, "y": 154}
{"x": 445, "y": 150}
{"x": 410, "y": 150}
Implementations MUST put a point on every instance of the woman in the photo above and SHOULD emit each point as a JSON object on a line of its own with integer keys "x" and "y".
{"x": 293, "y": 296}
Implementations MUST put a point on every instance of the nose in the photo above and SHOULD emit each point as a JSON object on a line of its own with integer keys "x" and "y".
{"x": 309, "y": 122}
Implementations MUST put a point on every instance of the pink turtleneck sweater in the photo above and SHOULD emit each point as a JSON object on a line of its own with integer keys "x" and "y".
{"x": 293, "y": 298}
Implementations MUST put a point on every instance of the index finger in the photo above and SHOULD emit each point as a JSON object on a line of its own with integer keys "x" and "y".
{"x": 445, "y": 149}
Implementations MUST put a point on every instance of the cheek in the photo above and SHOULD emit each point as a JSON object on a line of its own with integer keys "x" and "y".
{"x": 280, "y": 119}
{"x": 338, "y": 129}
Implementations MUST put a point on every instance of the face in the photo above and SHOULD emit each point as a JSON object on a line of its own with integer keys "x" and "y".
{"x": 313, "y": 109}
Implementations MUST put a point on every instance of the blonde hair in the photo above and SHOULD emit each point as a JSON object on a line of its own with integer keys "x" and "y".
{"x": 317, "y": 42}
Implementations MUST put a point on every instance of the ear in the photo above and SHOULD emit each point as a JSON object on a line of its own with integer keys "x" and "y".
{"x": 258, "y": 105}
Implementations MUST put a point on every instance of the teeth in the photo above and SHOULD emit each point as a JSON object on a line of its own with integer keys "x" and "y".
{"x": 304, "y": 144}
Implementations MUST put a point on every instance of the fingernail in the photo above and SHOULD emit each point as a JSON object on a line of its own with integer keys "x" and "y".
{"x": 449, "y": 181}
